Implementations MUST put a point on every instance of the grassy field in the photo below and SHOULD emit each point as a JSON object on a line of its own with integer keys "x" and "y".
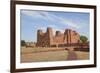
{"x": 48, "y": 54}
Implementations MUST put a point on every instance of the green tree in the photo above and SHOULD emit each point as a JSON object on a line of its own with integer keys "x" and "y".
{"x": 83, "y": 39}
{"x": 23, "y": 43}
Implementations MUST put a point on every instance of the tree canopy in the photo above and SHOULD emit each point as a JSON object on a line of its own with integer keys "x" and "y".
{"x": 83, "y": 39}
{"x": 23, "y": 43}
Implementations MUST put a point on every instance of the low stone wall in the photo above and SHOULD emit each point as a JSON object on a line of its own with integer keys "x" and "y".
{"x": 82, "y": 49}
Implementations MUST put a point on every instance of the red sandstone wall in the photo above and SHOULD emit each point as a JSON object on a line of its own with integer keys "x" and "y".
{"x": 75, "y": 37}
{"x": 48, "y": 39}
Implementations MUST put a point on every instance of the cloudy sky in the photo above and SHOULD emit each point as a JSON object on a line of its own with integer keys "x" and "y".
{"x": 32, "y": 20}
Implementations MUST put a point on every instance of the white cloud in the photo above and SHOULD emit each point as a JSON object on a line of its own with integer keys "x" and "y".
{"x": 50, "y": 17}
{"x": 61, "y": 20}
{"x": 71, "y": 24}
{"x": 33, "y": 14}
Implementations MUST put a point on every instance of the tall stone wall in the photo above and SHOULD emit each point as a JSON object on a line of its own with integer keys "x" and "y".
{"x": 44, "y": 39}
{"x": 47, "y": 39}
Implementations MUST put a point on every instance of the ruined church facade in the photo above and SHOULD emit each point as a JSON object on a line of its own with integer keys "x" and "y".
{"x": 48, "y": 39}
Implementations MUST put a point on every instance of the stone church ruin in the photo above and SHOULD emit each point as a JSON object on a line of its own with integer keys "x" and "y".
{"x": 48, "y": 39}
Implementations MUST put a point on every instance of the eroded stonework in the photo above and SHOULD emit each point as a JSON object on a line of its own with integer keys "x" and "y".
{"x": 47, "y": 39}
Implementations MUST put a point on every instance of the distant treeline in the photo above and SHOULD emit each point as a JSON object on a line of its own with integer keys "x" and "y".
{"x": 83, "y": 39}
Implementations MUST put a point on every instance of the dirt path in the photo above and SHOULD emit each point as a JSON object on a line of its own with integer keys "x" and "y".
{"x": 72, "y": 55}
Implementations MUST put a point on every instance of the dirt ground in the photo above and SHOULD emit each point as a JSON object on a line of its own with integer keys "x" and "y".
{"x": 49, "y": 54}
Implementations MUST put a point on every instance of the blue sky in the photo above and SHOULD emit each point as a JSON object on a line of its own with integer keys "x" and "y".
{"x": 32, "y": 20}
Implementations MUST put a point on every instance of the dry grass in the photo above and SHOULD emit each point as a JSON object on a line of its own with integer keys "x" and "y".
{"x": 48, "y": 54}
